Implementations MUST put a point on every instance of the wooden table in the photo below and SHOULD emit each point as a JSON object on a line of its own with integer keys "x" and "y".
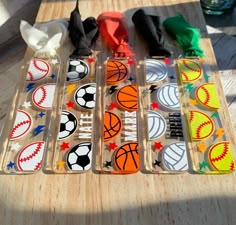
{"x": 143, "y": 199}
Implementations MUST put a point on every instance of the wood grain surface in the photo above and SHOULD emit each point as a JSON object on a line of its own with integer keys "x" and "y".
{"x": 100, "y": 199}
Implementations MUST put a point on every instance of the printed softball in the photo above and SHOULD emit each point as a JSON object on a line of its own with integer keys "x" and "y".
{"x": 30, "y": 157}
{"x": 201, "y": 125}
{"x": 22, "y": 125}
{"x": 189, "y": 70}
{"x": 206, "y": 94}
{"x": 38, "y": 69}
{"x": 221, "y": 157}
{"x": 43, "y": 96}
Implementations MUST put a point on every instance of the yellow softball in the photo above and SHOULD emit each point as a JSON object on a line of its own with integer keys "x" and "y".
{"x": 207, "y": 95}
{"x": 201, "y": 125}
{"x": 189, "y": 70}
{"x": 221, "y": 157}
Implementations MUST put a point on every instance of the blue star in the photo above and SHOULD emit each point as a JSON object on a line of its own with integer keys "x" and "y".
{"x": 41, "y": 114}
{"x": 39, "y": 129}
{"x": 29, "y": 87}
{"x": 11, "y": 164}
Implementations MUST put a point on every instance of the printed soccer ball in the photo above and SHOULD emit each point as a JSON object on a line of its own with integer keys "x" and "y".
{"x": 68, "y": 125}
{"x": 77, "y": 70}
{"x": 85, "y": 96}
{"x": 79, "y": 157}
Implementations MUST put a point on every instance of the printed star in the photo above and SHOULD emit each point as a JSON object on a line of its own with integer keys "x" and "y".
{"x": 26, "y": 105}
{"x": 91, "y": 60}
{"x": 131, "y": 79}
{"x": 60, "y": 164}
{"x": 157, "y": 163}
{"x": 192, "y": 102}
{"x": 206, "y": 77}
{"x": 130, "y": 62}
{"x": 167, "y": 61}
{"x": 41, "y": 114}
{"x": 154, "y": 105}
{"x": 29, "y": 87}
{"x": 171, "y": 77}
{"x": 11, "y": 164}
{"x": 71, "y": 88}
{"x": 108, "y": 164}
{"x": 201, "y": 147}
{"x": 15, "y": 146}
{"x": 203, "y": 164}
{"x": 54, "y": 61}
{"x": 112, "y": 105}
{"x": 64, "y": 146}
{"x": 158, "y": 146}
{"x": 70, "y": 104}
{"x": 53, "y": 76}
{"x": 112, "y": 146}
{"x": 219, "y": 132}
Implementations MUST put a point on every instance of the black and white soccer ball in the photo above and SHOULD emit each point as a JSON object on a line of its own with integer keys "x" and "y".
{"x": 85, "y": 96}
{"x": 79, "y": 158}
{"x": 68, "y": 124}
{"x": 77, "y": 70}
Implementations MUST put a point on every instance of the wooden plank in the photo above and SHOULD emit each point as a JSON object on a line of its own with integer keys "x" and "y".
{"x": 133, "y": 199}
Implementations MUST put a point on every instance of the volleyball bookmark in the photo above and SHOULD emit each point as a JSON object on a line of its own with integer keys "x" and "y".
{"x": 26, "y": 129}
{"x": 73, "y": 145}
{"x": 119, "y": 150}
{"x": 162, "y": 139}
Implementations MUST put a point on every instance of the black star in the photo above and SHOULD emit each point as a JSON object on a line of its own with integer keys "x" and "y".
{"x": 157, "y": 163}
{"x": 131, "y": 79}
{"x": 171, "y": 77}
{"x": 53, "y": 76}
{"x": 112, "y": 89}
{"x": 107, "y": 164}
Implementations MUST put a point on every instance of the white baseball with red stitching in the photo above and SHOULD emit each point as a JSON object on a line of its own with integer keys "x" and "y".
{"x": 30, "y": 157}
{"x": 22, "y": 125}
{"x": 38, "y": 69}
{"x": 43, "y": 96}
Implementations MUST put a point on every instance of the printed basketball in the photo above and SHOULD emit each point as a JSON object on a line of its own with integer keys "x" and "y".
{"x": 155, "y": 70}
{"x": 206, "y": 95}
{"x": 189, "y": 70}
{"x": 116, "y": 72}
{"x": 112, "y": 126}
{"x": 221, "y": 157}
{"x": 127, "y": 98}
{"x": 174, "y": 157}
{"x": 156, "y": 125}
{"x": 168, "y": 96}
{"x": 126, "y": 158}
{"x": 201, "y": 125}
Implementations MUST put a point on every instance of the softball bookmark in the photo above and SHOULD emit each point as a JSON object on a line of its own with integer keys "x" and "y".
{"x": 26, "y": 129}
{"x": 71, "y": 150}
{"x": 119, "y": 150}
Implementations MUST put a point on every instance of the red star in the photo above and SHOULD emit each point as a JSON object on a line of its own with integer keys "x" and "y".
{"x": 70, "y": 104}
{"x": 112, "y": 105}
{"x": 130, "y": 61}
{"x": 90, "y": 60}
{"x": 64, "y": 146}
{"x": 158, "y": 146}
{"x": 167, "y": 60}
{"x": 154, "y": 105}
{"x": 112, "y": 146}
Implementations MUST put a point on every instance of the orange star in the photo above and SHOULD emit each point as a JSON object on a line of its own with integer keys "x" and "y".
{"x": 201, "y": 147}
{"x": 192, "y": 102}
{"x": 220, "y": 132}
{"x": 71, "y": 88}
{"x": 60, "y": 164}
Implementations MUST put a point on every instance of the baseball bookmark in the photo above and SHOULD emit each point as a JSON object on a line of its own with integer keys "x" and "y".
{"x": 210, "y": 149}
{"x": 26, "y": 130}
{"x": 118, "y": 141}
{"x": 162, "y": 136}
{"x": 70, "y": 149}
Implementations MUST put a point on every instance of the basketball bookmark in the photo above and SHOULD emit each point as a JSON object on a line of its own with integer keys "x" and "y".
{"x": 162, "y": 136}
{"x": 119, "y": 150}
{"x": 26, "y": 129}
{"x": 71, "y": 150}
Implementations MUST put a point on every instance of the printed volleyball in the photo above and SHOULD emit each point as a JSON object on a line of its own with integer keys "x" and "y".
{"x": 174, "y": 157}
{"x": 156, "y": 125}
{"x": 168, "y": 96}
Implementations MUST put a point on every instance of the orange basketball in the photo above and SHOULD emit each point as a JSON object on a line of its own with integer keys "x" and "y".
{"x": 126, "y": 158}
{"x": 127, "y": 98}
{"x": 112, "y": 126}
{"x": 116, "y": 72}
